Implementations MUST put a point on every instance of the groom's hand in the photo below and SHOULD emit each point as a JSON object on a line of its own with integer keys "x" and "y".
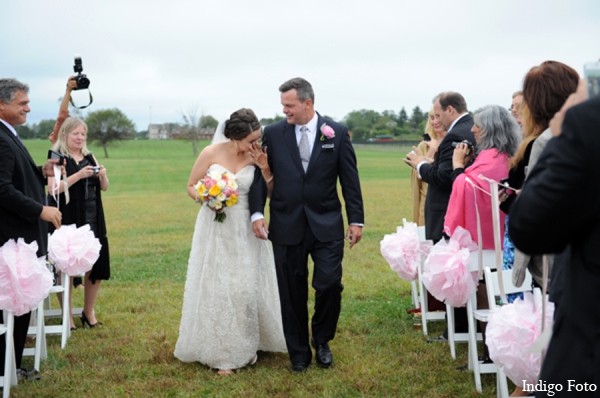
{"x": 354, "y": 234}
{"x": 259, "y": 227}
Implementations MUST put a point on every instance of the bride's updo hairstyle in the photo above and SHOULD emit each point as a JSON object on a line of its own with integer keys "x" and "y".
{"x": 240, "y": 124}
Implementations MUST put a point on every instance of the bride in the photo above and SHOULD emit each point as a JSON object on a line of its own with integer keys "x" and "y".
{"x": 231, "y": 304}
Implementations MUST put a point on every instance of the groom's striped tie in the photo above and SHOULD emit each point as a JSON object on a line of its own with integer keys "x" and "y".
{"x": 304, "y": 147}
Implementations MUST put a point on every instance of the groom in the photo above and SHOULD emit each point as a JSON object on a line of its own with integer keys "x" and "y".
{"x": 307, "y": 155}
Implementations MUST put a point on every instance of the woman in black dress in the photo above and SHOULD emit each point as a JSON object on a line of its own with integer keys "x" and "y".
{"x": 86, "y": 179}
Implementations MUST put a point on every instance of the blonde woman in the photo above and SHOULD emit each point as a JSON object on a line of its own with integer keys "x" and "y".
{"x": 433, "y": 131}
{"x": 86, "y": 179}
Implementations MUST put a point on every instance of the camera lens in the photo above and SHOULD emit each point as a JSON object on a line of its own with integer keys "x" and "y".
{"x": 83, "y": 82}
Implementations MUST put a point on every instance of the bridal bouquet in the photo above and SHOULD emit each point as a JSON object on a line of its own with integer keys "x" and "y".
{"x": 218, "y": 190}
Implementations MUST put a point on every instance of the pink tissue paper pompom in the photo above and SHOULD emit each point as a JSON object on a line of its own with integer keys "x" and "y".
{"x": 446, "y": 272}
{"x": 74, "y": 250}
{"x": 24, "y": 278}
{"x": 403, "y": 250}
{"x": 511, "y": 330}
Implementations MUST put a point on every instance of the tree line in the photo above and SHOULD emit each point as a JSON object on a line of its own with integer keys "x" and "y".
{"x": 367, "y": 124}
{"x": 107, "y": 126}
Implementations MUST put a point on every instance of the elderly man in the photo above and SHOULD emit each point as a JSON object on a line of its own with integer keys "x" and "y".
{"x": 22, "y": 209}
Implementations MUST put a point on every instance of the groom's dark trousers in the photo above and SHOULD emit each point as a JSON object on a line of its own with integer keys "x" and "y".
{"x": 292, "y": 278}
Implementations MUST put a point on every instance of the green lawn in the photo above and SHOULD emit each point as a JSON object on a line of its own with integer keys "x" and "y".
{"x": 150, "y": 223}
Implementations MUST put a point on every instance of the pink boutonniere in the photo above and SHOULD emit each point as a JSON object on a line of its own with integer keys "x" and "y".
{"x": 326, "y": 132}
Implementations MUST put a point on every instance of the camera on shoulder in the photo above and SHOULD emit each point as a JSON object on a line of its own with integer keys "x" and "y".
{"x": 82, "y": 80}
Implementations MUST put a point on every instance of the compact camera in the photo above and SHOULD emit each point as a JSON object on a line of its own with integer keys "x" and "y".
{"x": 81, "y": 79}
{"x": 96, "y": 169}
{"x": 56, "y": 155}
{"x": 455, "y": 144}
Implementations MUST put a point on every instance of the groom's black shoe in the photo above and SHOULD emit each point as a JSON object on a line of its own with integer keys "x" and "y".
{"x": 323, "y": 355}
{"x": 299, "y": 367}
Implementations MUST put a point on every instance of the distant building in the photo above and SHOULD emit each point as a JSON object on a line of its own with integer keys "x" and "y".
{"x": 173, "y": 131}
{"x": 163, "y": 131}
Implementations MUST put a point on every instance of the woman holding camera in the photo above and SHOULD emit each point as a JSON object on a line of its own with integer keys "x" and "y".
{"x": 497, "y": 135}
{"x": 86, "y": 179}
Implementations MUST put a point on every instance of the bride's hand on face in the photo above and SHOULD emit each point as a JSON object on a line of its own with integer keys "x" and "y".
{"x": 259, "y": 155}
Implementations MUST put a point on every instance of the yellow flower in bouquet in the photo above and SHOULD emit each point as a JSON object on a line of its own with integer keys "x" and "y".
{"x": 233, "y": 199}
{"x": 218, "y": 190}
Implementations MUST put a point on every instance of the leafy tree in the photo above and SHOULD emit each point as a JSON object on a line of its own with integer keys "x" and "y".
{"x": 108, "y": 126}
{"x": 25, "y": 131}
{"x": 362, "y": 123}
{"x": 402, "y": 117}
{"x": 44, "y": 128}
{"x": 417, "y": 120}
{"x": 265, "y": 121}
{"x": 208, "y": 122}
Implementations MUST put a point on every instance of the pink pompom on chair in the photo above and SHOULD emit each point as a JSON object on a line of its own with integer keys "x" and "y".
{"x": 24, "y": 278}
{"x": 403, "y": 251}
{"x": 511, "y": 331}
{"x": 446, "y": 272}
{"x": 74, "y": 250}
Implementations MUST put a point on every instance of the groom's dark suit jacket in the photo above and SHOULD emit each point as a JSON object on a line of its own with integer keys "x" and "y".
{"x": 21, "y": 194}
{"x": 438, "y": 176}
{"x": 21, "y": 200}
{"x": 311, "y": 197}
{"x": 559, "y": 207}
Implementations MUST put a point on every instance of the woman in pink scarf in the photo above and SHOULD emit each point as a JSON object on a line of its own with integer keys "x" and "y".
{"x": 497, "y": 135}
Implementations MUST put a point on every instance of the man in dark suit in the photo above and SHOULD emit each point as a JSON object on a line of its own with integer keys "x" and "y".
{"x": 558, "y": 208}
{"x": 22, "y": 197}
{"x": 307, "y": 155}
{"x": 450, "y": 108}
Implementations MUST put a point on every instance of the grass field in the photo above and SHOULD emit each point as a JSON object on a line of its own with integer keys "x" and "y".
{"x": 150, "y": 221}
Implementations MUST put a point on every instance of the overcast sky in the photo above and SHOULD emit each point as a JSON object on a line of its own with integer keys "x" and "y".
{"x": 156, "y": 59}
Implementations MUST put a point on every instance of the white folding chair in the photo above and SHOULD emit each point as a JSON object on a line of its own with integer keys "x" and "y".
{"x": 416, "y": 301}
{"x": 488, "y": 257}
{"x": 10, "y": 369}
{"x": 64, "y": 329}
{"x": 37, "y": 329}
{"x": 492, "y": 280}
{"x": 425, "y": 314}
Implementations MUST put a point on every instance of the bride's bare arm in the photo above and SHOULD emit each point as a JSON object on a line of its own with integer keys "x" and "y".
{"x": 199, "y": 171}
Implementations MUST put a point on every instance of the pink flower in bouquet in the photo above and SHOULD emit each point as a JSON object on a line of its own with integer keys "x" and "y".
{"x": 327, "y": 132}
{"x": 209, "y": 182}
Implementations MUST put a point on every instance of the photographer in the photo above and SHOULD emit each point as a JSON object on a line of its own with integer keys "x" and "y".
{"x": 63, "y": 112}
{"x": 86, "y": 179}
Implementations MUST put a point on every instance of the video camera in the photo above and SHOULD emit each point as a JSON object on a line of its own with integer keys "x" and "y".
{"x": 81, "y": 79}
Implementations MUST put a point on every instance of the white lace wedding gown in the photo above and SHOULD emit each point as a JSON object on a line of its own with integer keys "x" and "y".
{"x": 231, "y": 301}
